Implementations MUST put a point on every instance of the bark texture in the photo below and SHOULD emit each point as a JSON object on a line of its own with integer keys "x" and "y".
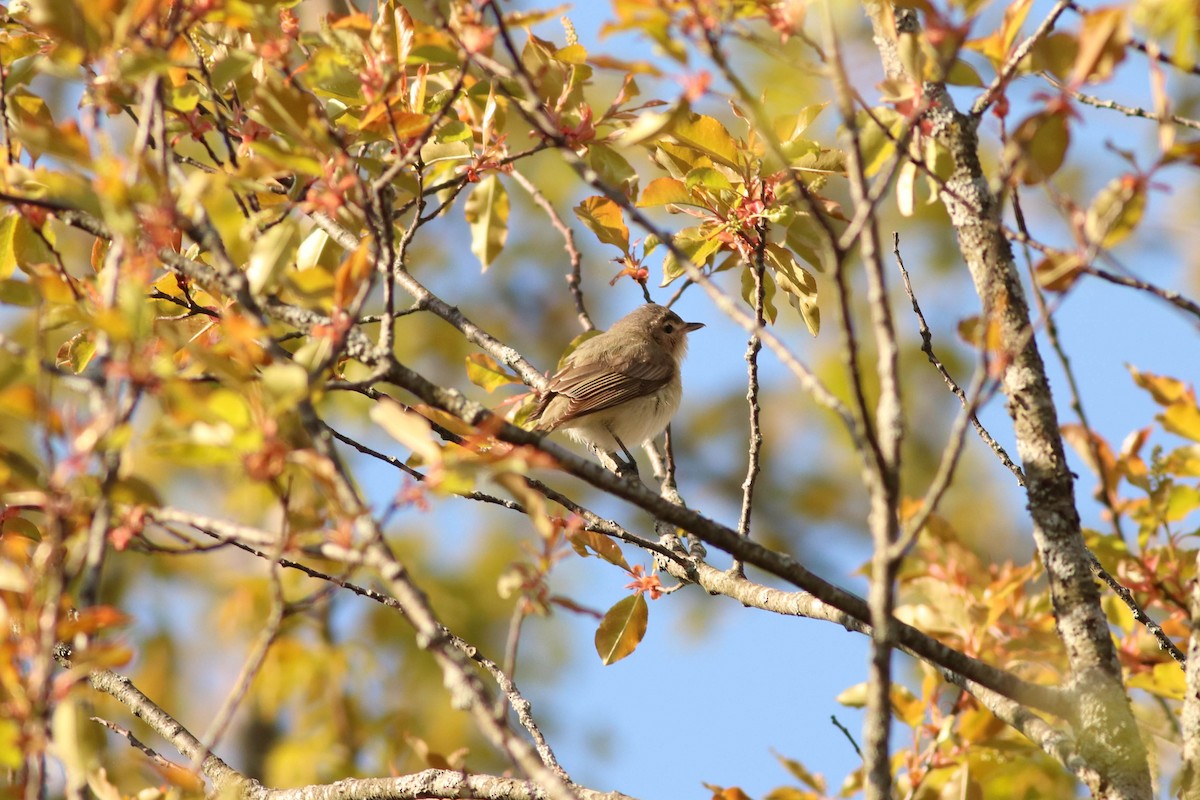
{"x": 1103, "y": 720}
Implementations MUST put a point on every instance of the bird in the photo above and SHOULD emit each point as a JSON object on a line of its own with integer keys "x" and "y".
{"x": 620, "y": 386}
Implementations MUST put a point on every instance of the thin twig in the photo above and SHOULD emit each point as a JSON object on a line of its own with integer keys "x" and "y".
{"x": 137, "y": 744}
{"x": 251, "y": 665}
{"x": 1139, "y": 614}
{"x": 881, "y": 460}
{"x": 1169, "y": 295}
{"x": 845, "y": 732}
{"x": 927, "y": 349}
{"x": 755, "y": 437}
{"x": 996, "y": 87}
{"x": 1113, "y": 105}
{"x": 573, "y": 277}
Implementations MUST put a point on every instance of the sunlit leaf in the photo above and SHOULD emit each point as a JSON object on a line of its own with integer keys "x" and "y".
{"x": 1165, "y": 390}
{"x": 798, "y": 284}
{"x": 1116, "y": 211}
{"x": 622, "y": 629}
{"x": 906, "y": 189}
{"x": 487, "y": 212}
{"x": 1183, "y": 419}
{"x": 647, "y": 126}
{"x": 8, "y": 255}
{"x": 604, "y": 218}
{"x": 272, "y": 251}
{"x": 708, "y": 178}
{"x": 1058, "y": 272}
{"x": 997, "y": 45}
{"x": 1165, "y": 679}
{"x": 878, "y": 143}
{"x": 1038, "y": 146}
{"x": 789, "y": 127}
{"x": 665, "y": 191}
{"x": 407, "y": 428}
{"x": 598, "y": 543}
{"x": 483, "y": 371}
{"x": 694, "y": 243}
{"x": 709, "y": 136}
{"x": 802, "y": 774}
{"x": 1102, "y": 39}
{"x": 613, "y": 168}
{"x": 76, "y": 353}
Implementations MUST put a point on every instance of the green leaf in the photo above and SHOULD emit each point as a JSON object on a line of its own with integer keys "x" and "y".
{"x": 649, "y": 125}
{"x": 877, "y": 143}
{"x": 709, "y": 136}
{"x": 622, "y": 629}
{"x": 806, "y": 238}
{"x": 963, "y": 74}
{"x": 770, "y": 313}
{"x": 791, "y": 126}
{"x": 285, "y": 385}
{"x": 613, "y": 168}
{"x": 708, "y": 178}
{"x": 696, "y": 244}
{"x": 487, "y": 212}
{"x": 665, "y": 191}
{"x": 604, "y": 218}
{"x": 318, "y": 250}
{"x": 18, "y": 293}
{"x": 76, "y": 353}
{"x": 484, "y": 372}
{"x": 272, "y": 252}
{"x": 798, "y": 284}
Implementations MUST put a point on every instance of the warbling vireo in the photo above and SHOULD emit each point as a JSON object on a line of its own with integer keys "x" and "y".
{"x": 621, "y": 386}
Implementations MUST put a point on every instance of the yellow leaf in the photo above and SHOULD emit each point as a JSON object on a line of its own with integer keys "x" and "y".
{"x": 603, "y": 217}
{"x": 1164, "y": 390}
{"x": 408, "y": 428}
{"x": 1182, "y": 418}
{"x": 854, "y": 697}
{"x": 486, "y": 211}
{"x": 1116, "y": 211}
{"x": 709, "y": 136}
{"x": 622, "y": 629}
{"x": 484, "y": 372}
{"x": 665, "y": 191}
{"x": 1165, "y": 680}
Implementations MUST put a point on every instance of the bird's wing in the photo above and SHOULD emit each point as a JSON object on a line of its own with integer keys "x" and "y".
{"x": 596, "y": 387}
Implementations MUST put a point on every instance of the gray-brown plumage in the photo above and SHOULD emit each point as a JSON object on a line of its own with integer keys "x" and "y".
{"x": 622, "y": 386}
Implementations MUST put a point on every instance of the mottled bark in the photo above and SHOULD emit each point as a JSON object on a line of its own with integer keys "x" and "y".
{"x": 1107, "y": 733}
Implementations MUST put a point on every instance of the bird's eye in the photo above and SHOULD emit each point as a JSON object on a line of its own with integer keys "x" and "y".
{"x": 668, "y": 328}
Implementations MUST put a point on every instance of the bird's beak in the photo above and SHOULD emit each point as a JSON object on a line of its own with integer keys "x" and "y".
{"x": 688, "y": 327}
